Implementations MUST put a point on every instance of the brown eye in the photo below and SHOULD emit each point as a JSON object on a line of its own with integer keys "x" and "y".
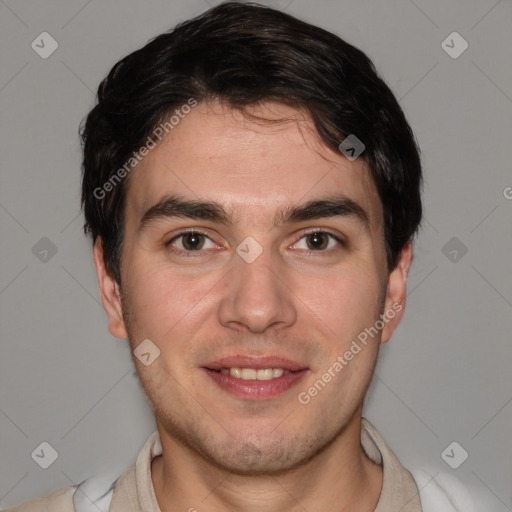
{"x": 317, "y": 241}
{"x": 192, "y": 241}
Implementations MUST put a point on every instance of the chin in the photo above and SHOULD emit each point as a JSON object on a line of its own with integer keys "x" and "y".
{"x": 250, "y": 460}
{"x": 260, "y": 456}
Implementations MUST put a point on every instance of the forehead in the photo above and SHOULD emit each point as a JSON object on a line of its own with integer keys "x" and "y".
{"x": 254, "y": 164}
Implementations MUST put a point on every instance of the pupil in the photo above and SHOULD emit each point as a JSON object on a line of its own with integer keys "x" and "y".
{"x": 317, "y": 241}
{"x": 192, "y": 241}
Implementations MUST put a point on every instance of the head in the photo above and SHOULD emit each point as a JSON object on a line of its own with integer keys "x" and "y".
{"x": 230, "y": 127}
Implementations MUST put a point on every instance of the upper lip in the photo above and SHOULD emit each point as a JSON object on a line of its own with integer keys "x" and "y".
{"x": 257, "y": 363}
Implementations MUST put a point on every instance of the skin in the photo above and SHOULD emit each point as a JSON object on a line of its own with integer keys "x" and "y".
{"x": 221, "y": 452}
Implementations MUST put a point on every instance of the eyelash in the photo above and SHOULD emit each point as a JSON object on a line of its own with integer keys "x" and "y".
{"x": 303, "y": 234}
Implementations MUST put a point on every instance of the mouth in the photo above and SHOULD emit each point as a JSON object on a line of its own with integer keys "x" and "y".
{"x": 255, "y": 378}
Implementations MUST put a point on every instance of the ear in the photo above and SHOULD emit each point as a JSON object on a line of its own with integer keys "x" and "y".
{"x": 396, "y": 293}
{"x": 110, "y": 294}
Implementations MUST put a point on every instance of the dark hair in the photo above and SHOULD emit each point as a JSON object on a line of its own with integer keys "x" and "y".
{"x": 243, "y": 54}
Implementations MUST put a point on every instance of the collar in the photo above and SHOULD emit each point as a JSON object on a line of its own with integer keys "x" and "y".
{"x": 134, "y": 489}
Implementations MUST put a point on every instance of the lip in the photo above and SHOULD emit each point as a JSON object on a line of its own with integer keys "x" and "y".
{"x": 256, "y": 389}
{"x": 258, "y": 363}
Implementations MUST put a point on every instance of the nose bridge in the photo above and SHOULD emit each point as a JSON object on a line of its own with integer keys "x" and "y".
{"x": 254, "y": 296}
{"x": 257, "y": 277}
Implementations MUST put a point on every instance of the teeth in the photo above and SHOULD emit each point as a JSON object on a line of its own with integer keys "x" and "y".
{"x": 247, "y": 373}
{"x": 252, "y": 374}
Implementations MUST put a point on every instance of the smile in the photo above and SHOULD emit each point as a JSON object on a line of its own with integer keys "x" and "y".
{"x": 254, "y": 374}
{"x": 255, "y": 384}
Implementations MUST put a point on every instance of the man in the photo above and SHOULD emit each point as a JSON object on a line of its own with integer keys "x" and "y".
{"x": 252, "y": 189}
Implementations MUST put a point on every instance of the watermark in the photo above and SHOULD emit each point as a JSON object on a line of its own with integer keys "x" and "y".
{"x": 146, "y": 352}
{"x": 138, "y": 156}
{"x": 454, "y": 455}
{"x": 454, "y": 249}
{"x": 44, "y": 45}
{"x": 249, "y": 249}
{"x": 507, "y": 192}
{"x": 44, "y": 250}
{"x": 351, "y": 147}
{"x": 45, "y": 455}
{"x": 304, "y": 397}
{"x": 454, "y": 45}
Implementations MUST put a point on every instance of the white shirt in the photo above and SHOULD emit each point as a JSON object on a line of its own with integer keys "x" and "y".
{"x": 133, "y": 491}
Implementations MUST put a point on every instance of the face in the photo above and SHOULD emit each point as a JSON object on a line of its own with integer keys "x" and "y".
{"x": 253, "y": 259}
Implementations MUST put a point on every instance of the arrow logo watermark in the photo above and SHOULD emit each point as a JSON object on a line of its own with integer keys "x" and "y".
{"x": 45, "y": 455}
{"x": 454, "y": 45}
{"x": 44, "y": 45}
{"x": 454, "y": 249}
{"x": 249, "y": 249}
{"x": 44, "y": 250}
{"x": 146, "y": 352}
{"x": 351, "y": 147}
{"x": 454, "y": 455}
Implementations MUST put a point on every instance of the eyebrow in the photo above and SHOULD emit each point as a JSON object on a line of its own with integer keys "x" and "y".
{"x": 180, "y": 207}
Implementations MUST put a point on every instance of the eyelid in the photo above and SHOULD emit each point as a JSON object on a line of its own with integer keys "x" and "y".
{"x": 319, "y": 229}
{"x": 186, "y": 231}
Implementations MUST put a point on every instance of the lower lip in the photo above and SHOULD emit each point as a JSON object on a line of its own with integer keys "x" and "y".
{"x": 256, "y": 389}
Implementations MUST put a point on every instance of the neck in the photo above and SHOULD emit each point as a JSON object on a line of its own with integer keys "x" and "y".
{"x": 340, "y": 478}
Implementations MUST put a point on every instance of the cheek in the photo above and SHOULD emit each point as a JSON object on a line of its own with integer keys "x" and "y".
{"x": 163, "y": 301}
{"x": 346, "y": 300}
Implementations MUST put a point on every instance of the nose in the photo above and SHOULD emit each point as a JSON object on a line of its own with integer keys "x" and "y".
{"x": 256, "y": 296}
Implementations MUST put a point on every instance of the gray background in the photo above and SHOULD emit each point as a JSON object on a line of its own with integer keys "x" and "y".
{"x": 445, "y": 376}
